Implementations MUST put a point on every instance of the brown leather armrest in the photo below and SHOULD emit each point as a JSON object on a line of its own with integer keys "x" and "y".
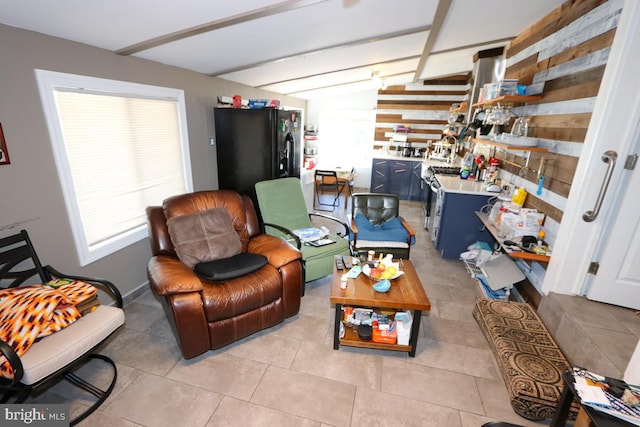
{"x": 278, "y": 251}
{"x": 168, "y": 275}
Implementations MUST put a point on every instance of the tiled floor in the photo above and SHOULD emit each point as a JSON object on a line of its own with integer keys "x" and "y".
{"x": 290, "y": 375}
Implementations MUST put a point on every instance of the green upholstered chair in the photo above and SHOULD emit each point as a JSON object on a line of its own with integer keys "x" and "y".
{"x": 283, "y": 209}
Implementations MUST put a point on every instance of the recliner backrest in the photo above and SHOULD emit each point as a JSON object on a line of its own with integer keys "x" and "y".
{"x": 377, "y": 207}
{"x": 240, "y": 208}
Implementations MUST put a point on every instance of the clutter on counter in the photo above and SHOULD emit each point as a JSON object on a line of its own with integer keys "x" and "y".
{"x": 519, "y": 229}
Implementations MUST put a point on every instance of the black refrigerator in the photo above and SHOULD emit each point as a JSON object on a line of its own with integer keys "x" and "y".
{"x": 256, "y": 145}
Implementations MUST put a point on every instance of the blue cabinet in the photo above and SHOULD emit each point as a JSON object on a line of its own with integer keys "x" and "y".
{"x": 400, "y": 177}
{"x": 379, "y": 175}
{"x": 416, "y": 187}
{"x": 455, "y": 224}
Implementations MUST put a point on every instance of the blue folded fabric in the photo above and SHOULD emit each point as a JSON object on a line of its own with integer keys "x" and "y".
{"x": 389, "y": 231}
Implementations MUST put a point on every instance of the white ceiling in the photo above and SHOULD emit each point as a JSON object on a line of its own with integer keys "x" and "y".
{"x": 304, "y": 48}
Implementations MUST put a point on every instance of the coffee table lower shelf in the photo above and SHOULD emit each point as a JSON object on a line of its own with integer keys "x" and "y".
{"x": 351, "y": 339}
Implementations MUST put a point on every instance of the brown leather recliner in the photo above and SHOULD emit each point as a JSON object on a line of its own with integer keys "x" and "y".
{"x": 206, "y": 314}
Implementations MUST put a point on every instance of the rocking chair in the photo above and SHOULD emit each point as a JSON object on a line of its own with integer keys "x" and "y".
{"x": 54, "y": 356}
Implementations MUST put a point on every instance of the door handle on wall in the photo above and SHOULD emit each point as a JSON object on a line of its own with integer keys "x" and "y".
{"x": 609, "y": 157}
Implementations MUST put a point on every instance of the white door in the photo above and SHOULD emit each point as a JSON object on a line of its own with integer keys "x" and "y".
{"x": 617, "y": 280}
{"x": 613, "y": 238}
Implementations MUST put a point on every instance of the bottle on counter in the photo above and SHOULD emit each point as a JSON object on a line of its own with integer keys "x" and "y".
{"x": 467, "y": 165}
{"x": 492, "y": 174}
{"x": 519, "y": 196}
{"x": 480, "y": 168}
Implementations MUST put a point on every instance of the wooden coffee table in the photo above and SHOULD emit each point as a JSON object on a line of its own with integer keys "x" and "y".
{"x": 406, "y": 293}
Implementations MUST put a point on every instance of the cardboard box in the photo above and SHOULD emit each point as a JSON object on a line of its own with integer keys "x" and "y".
{"x": 257, "y": 104}
{"x": 403, "y": 327}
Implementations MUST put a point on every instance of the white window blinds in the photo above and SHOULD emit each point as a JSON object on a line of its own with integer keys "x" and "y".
{"x": 117, "y": 153}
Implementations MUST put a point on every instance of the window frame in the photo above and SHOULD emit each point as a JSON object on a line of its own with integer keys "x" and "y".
{"x": 48, "y": 83}
{"x": 336, "y": 150}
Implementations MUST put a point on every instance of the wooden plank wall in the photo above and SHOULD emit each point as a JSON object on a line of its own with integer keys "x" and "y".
{"x": 423, "y": 106}
{"x": 566, "y": 52}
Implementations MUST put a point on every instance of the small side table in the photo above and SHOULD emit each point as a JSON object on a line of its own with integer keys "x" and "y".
{"x": 599, "y": 419}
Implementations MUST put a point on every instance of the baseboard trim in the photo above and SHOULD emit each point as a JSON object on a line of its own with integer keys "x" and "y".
{"x": 131, "y": 296}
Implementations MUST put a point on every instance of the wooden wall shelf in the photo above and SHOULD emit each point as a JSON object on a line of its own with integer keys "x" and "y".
{"x": 513, "y": 99}
{"x": 509, "y": 147}
{"x": 514, "y": 254}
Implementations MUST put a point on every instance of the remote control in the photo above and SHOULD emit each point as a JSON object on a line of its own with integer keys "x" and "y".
{"x": 346, "y": 260}
{"x": 339, "y": 264}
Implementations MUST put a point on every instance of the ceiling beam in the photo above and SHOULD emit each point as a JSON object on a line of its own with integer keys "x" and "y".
{"x": 341, "y": 84}
{"x": 469, "y": 46}
{"x": 436, "y": 25}
{"x": 356, "y": 67}
{"x": 263, "y": 12}
{"x": 390, "y": 61}
{"x": 339, "y": 46}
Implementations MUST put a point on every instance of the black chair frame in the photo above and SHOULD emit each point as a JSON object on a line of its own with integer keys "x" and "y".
{"x": 328, "y": 183}
{"x": 349, "y": 182}
{"x": 298, "y": 244}
{"x": 18, "y": 264}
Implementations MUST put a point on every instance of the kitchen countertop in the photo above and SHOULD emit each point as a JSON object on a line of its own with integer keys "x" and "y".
{"x": 455, "y": 184}
{"x": 379, "y": 154}
{"x": 450, "y": 183}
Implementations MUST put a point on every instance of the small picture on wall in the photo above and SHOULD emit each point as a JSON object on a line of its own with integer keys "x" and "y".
{"x": 4, "y": 154}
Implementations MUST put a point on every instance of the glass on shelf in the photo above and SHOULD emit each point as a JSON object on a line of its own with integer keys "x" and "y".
{"x": 520, "y": 127}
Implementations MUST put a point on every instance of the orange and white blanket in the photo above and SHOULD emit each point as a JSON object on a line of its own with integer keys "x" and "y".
{"x": 31, "y": 312}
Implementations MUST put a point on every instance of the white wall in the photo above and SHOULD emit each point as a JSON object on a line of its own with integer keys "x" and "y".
{"x": 30, "y": 188}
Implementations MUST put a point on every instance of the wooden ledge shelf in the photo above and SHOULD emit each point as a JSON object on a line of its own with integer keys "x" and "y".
{"x": 509, "y": 147}
{"x": 511, "y": 99}
{"x": 513, "y": 254}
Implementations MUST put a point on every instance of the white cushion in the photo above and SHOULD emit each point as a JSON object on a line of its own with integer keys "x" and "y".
{"x": 380, "y": 244}
{"x": 63, "y": 347}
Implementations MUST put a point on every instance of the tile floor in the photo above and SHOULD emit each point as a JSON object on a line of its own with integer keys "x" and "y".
{"x": 290, "y": 375}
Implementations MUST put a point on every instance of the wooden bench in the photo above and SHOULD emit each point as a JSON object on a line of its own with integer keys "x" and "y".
{"x": 530, "y": 361}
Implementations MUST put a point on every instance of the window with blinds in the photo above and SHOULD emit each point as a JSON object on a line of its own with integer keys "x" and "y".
{"x": 119, "y": 147}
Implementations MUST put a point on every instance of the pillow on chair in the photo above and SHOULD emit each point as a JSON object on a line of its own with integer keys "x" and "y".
{"x": 395, "y": 226}
{"x": 389, "y": 231}
{"x": 229, "y": 268}
{"x": 204, "y": 236}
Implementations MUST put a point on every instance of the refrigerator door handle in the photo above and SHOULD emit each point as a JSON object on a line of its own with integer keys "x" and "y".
{"x": 288, "y": 159}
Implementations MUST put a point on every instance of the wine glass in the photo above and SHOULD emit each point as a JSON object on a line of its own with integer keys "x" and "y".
{"x": 520, "y": 127}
